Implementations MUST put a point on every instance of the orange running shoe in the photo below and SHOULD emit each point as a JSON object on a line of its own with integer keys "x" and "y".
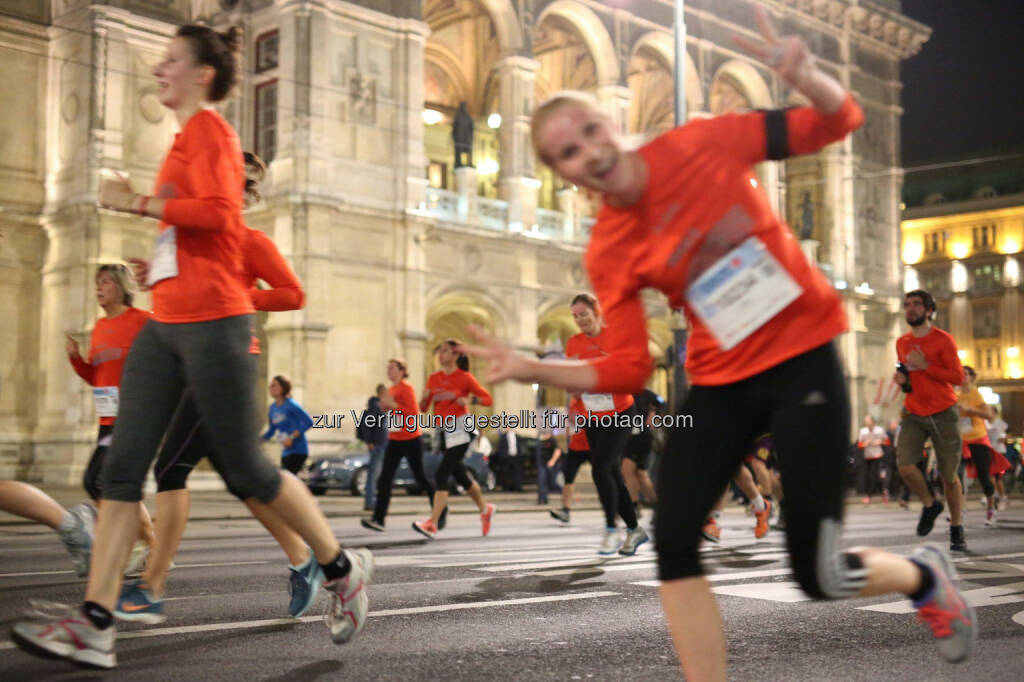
{"x": 711, "y": 531}
{"x": 763, "y": 518}
{"x": 425, "y": 527}
{"x": 485, "y": 518}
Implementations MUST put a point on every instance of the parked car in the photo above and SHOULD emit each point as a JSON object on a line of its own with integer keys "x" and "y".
{"x": 349, "y": 472}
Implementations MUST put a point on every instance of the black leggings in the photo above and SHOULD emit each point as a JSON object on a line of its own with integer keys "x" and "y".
{"x": 91, "y": 477}
{"x": 870, "y": 471}
{"x": 294, "y": 462}
{"x": 412, "y": 450}
{"x": 607, "y": 443}
{"x": 982, "y": 458}
{"x": 183, "y": 446}
{"x": 452, "y": 465}
{"x": 804, "y": 403}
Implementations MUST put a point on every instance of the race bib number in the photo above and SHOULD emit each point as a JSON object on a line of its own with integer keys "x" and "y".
{"x": 966, "y": 425}
{"x": 599, "y": 402}
{"x": 165, "y": 257}
{"x": 106, "y": 400}
{"x": 457, "y": 437}
{"x": 741, "y": 292}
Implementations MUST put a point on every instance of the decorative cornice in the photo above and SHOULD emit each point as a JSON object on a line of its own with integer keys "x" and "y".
{"x": 892, "y": 29}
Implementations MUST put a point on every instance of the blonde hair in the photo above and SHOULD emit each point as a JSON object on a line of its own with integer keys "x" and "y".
{"x": 123, "y": 278}
{"x": 552, "y": 104}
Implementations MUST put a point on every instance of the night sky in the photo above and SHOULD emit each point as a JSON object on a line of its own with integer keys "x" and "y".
{"x": 963, "y": 93}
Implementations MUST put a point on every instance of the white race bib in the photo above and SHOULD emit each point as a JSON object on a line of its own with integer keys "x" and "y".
{"x": 457, "y": 437}
{"x": 106, "y": 398}
{"x": 966, "y": 425}
{"x": 741, "y": 292}
{"x": 599, "y": 402}
{"x": 396, "y": 420}
{"x": 165, "y": 257}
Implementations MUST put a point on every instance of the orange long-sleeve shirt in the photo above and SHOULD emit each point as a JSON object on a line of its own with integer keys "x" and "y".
{"x": 932, "y": 388}
{"x": 583, "y": 347}
{"x": 446, "y": 389}
{"x": 403, "y": 394}
{"x": 263, "y": 261}
{"x": 201, "y": 180}
{"x": 702, "y": 201}
{"x": 109, "y": 343}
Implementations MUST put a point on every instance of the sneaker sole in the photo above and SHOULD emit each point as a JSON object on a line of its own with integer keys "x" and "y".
{"x": 422, "y": 532}
{"x": 138, "y": 617}
{"x": 633, "y": 553}
{"x": 86, "y": 658}
{"x": 314, "y": 589}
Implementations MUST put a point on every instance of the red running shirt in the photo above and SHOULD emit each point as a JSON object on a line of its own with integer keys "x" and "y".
{"x": 111, "y": 339}
{"x": 702, "y": 201}
{"x": 405, "y": 396}
{"x": 447, "y": 388}
{"x": 263, "y": 261}
{"x": 201, "y": 180}
{"x": 931, "y": 389}
{"x": 583, "y": 347}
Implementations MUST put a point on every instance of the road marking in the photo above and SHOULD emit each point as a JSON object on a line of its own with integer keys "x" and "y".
{"x": 724, "y": 577}
{"x": 275, "y": 622}
{"x": 176, "y": 567}
{"x": 782, "y": 591}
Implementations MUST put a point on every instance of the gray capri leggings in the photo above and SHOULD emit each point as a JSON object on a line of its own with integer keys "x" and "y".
{"x": 212, "y": 359}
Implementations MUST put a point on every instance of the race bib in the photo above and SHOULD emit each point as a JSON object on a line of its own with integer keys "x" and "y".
{"x": 396, "y": 420}
{"x": 741, "y": 292}
{"x": 457, "y": 437}
{"x": 280, "y": 436}
{"x": 165, "y": 257}
{"x": 966, "y": 425}
{"x": 599, "y": 402}
{"x": 106, "y": 400}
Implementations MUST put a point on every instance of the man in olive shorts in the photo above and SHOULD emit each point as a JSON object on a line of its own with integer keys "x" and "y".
{"x": 929, "y": 369}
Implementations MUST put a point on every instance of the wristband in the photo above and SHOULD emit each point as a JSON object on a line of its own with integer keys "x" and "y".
{"x": 142, "y": 205}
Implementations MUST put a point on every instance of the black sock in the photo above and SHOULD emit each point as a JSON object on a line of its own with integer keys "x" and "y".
{"x": 338, "y": 568}
{"x": 565, "y": 509}
{"x": 98, "y": 615}
{"x": 927, "y": 582}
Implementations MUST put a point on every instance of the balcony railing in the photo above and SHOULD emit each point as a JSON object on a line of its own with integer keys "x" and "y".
{"x": 493, "y": 214}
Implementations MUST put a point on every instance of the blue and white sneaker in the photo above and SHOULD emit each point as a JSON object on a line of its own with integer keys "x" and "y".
{"x": 610, "y": 543}
{"x": 304, "y": 583}
{"x": 138, "y": 604}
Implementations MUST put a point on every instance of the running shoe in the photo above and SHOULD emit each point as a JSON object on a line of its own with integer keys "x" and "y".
{"x": 78, "y": 538}
{"x": 945, "y": 610}
{"x": 634, "y": 538}
{"x": 559, "y": 515}
{"x": 485, "y": 519}
{"x": 303, "y": 584}
{"x": 885, "y": 497}
{"x": 763, "y": 517}
{"x": 137, "y": 604}
{"x": 137, "y": 561}
{"x": 372, "y": 524}
{"x": 425, "y": 527}
{"x": 711, "y": 531}
{"x": 928, "y": 516}
{"x": 990, "y": 519}
{"x": 610, "y": 544}
{"x": 1002, "y": 502}
{"x": 866, "y": 500}
{"x": 44, "y": 609}
{"x": 957, "y": 541}
{"x": 349, "y": 603}
{"x": 905, "y": 504}
{"x": 72, "y": 637}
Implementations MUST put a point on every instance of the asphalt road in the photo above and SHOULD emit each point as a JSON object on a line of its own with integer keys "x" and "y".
{"x": 530, "y": 602}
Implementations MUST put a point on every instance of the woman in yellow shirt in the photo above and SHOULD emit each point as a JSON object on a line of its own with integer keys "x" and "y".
{"x": 973, "y": 413}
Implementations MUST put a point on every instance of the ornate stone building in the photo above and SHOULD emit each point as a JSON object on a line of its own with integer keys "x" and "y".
{"x": 351, "y": 103}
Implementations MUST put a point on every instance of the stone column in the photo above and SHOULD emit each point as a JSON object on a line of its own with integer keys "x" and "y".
{"x": 465, "y": 185}
{"x": 517, "y": 183}
{"x": 412, "y": 159}
{"x": 615, "y": 101}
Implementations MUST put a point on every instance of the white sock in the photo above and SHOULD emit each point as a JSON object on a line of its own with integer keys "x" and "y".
{"x": 758, "y": 503}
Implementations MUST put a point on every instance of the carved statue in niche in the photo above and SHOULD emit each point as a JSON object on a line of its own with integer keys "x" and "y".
{"x": 462, "y": 137}
{"x": 806, "y": 217}
{"x": 363, "y": 97}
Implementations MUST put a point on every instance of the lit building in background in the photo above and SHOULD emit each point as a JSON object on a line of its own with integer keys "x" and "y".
{"x": 963, "y": 232}
{"x": 351, "y": 105}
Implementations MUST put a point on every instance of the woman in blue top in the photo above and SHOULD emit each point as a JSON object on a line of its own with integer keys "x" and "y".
{"x": 290, "y": 422}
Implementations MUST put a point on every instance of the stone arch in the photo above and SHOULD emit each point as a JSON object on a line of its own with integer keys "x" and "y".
{"x": 506, "y": 24}
{"x": 448, "y": 313}
{"x": 662, "y": 44}
{"x": 749, "y": 81}
{"x": 442, "y": 58}
{"x": 592, "y": 31}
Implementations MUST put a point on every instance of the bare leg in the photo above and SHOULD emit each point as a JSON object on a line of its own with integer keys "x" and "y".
{"x": 31, "y": 503}
{"x": 567, "y": 492}
{"x": 477, "y": 496}
{"x": 294, "y": 548}
{"x": 146, "y": 531}
{"x": 745, "y": 481}
{"x": 116, "y": 529}
{"x": 955, "y": 499}
{"x": 297, "y": 508}
{"x": 915, "y": 481}
{"x": 171, "y": 516}
{"x": 440, "y": 502}
{"x": 888, "y": 573}
{"x": 646, "y": 486}
{"x": 696, "y": 628}
{"x": 629, "y": 472}
{"x": 764, "y": 478}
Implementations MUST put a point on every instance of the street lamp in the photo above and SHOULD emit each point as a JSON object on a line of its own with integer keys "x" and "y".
{"x": 679, "y": 30}
{"x": 677, "y": 357}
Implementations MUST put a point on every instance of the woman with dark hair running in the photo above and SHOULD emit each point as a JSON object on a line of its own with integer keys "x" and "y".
{"x": 199, "y": 337}
{"x": 974, "y": 412}
{"x": 290, "y": 422}
{"x": 685, "y": 214}
{"x": 451, "y": 390}
{"x": 607, "y": 439}
{"x": 404, "y": 440}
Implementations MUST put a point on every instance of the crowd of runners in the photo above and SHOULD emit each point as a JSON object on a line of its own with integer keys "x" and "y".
{"x": 680, "y": 215}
